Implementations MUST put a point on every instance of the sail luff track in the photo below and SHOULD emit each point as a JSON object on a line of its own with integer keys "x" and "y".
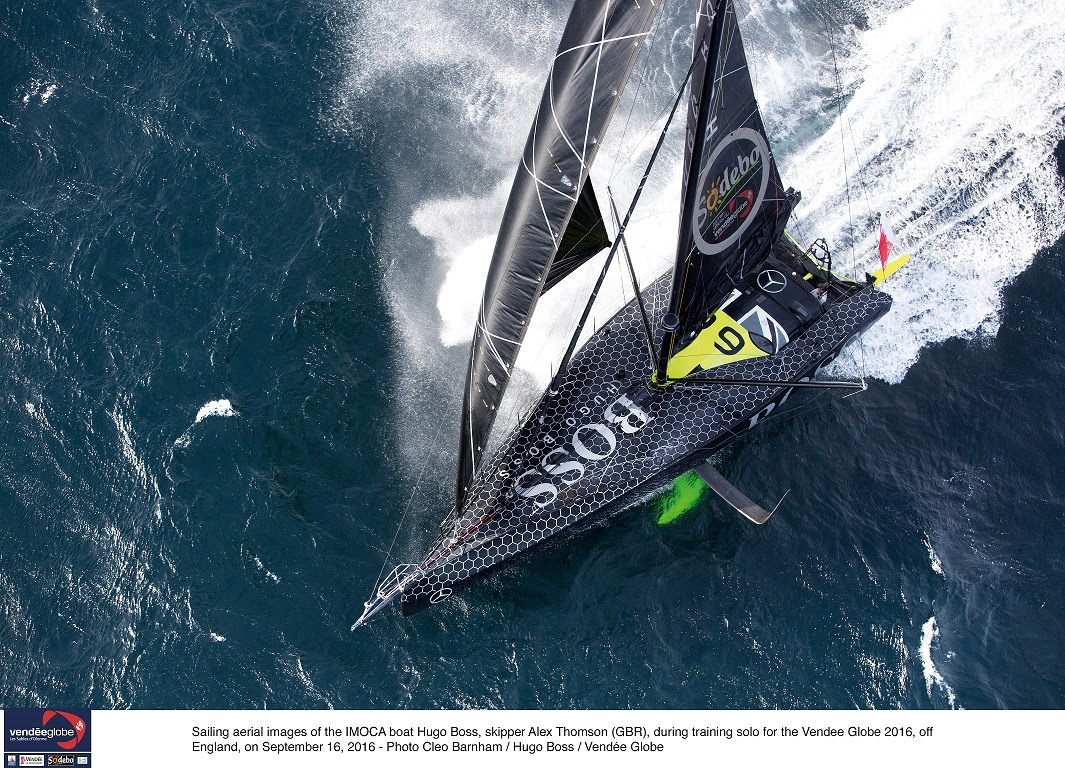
{"x": 595, "y": 57}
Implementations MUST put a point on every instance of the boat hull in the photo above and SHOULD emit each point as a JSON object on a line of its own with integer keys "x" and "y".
{"x": 602, "y": 440}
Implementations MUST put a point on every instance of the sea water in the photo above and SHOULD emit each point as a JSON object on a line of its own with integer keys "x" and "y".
{"x": 241, "y": 248}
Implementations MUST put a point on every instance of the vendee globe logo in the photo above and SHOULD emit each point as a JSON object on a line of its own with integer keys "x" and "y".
{"x": 43, "y": 730}
{"x": 733, "y": 185}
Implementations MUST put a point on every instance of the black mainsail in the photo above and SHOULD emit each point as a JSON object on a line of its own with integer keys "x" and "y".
{"x": 597, "y": 52}
{"x": 733, "y": 205}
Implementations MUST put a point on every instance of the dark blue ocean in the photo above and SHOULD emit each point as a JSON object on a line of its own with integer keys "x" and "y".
{"x": 226, "y": 382}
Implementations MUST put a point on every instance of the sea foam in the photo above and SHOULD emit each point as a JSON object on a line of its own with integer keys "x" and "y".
{"x": 933, "y": 680}
{"x": 215, "y": 408}
{"x": 954, "y": 112}
{"x": 953, "y": 109}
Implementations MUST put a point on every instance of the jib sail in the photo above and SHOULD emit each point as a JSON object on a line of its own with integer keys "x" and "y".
{"x": 584, "y": 237}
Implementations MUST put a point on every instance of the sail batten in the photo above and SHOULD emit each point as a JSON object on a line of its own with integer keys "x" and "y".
{"x": 595, "y": 56}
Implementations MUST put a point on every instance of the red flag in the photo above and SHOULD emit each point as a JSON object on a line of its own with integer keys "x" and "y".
{"x": 887, "y": 238}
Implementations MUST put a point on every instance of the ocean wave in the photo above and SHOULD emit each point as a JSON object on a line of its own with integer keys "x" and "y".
{"x": 933, "y": 680}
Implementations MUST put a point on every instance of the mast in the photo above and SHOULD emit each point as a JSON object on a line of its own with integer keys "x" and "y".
{"x": 708, "y": 50}
{"x": 733, "y": 207}
{"x": 620, "y": 238}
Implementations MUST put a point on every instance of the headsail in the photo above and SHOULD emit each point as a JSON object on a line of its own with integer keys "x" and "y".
{"x": 584, "y": 237}
{"x": 733, "y": 205}
{"x": 598, "y": 49}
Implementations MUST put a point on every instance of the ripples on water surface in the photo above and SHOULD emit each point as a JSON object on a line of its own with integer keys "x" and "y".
{"x": 233, "y": 243}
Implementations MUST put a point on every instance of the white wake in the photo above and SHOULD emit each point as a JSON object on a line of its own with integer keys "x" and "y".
{"x": 953, "y": 108}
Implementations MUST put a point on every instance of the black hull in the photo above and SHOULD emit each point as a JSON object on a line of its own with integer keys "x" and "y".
{"x": 603, "y": 440}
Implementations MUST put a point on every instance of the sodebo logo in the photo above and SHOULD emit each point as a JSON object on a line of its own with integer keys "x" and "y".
{"x": 736, "y": 168}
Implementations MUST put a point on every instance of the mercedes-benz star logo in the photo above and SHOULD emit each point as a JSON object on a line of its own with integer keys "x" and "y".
{"x": 772, "y": 281}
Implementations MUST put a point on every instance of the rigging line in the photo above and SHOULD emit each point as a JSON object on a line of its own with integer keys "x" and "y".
{"x": 635, "y": 97}
{"x": 869, "y": 208}
{"x": 528, "y": 386}
{"x": 625, "y": 163}
{"x": 625, "y": 223}
{"x": 854, "y": 149}
{"x": 821, "y": 400}
{"x": 861, "y": 166}
{"x": 695, "y": 60}
{"x": 635, "y": 283}
{"x": 799, "y": 230}
{"x": 621, "y": 273}
{"x": 843, "y": 143}
{"x": 433, "y": 446}
{"x": 782, "y": 383}
{"x": 842, "y": 134}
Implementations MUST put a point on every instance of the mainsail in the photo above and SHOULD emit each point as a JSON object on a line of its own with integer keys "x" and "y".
{"x": 597, "y": 52}
{"x": 733, "y": 205}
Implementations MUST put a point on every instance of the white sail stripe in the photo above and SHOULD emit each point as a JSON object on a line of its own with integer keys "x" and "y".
{"x": 492, "y": 337}
{"x": 473, "y": 448}
{"x": 541, "y": 182}
{"x": 491, "y": 347}
{"x": 595, "y": 83}
{"x": 738, "y": 69}
{"x": 490, "y": 340}
{"x": 718, "y": 91}
{"x": 554, "y": 115}
{"x": 487, "y": 343}
{"x": 601, "y": 42}
{"x": 728, "y": 43}
{"x": 532, "y": 172}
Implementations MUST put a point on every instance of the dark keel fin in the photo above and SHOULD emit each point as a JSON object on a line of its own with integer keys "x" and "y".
{"x": 734, "y": 496}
